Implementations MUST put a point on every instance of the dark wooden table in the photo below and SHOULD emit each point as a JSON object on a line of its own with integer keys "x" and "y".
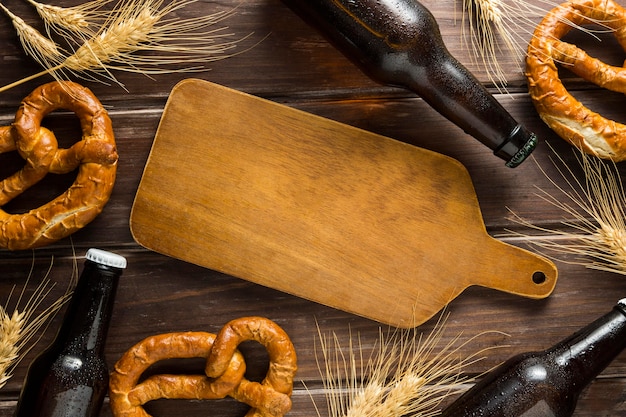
{"x": 287, "y": 61}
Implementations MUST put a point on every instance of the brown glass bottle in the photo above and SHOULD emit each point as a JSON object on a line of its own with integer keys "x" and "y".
{"x": 547, "y": 383}
{"x": 398, "y": 42}
{"x": 70, "y": 378}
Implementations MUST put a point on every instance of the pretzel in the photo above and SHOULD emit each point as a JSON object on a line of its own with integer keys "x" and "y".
{"x": 95, "y": 156}
{"x": 224, "y": 372}
{"x": 564, "y": 114}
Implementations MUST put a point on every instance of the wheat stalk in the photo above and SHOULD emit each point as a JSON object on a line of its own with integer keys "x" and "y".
{"x": 141, "y": 26}
{"x": 20, "y": 329}
{"x": 408, "y": 374}
{"x": 596, "y": 235}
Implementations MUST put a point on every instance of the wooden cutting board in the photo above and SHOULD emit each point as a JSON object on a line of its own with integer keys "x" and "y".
{"x": 319, "y": 209}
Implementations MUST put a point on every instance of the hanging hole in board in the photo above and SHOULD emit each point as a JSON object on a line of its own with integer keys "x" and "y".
{"x": 539, "y": 277}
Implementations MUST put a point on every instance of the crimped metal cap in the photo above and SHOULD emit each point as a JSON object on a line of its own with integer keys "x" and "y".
{"x": 106, "y": 258}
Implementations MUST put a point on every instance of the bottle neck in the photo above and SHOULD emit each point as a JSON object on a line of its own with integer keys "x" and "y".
{"x": 590, "y": 350}
{"x": 88, "y": 314}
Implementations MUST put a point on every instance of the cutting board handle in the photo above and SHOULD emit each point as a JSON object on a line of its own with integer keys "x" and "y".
{"x": 517, "y": 271}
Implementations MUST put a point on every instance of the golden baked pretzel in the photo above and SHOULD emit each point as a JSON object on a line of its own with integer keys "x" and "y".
{"x": 224, "y": 373}
{"x": 557, "y": 107}
{"x": 95, "y": 156}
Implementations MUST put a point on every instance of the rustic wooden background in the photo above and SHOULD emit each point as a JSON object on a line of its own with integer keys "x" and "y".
{"x": 287, "y": 61}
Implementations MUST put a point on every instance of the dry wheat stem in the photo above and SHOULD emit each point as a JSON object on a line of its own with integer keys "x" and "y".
{"x": 22, "y": 328}
{"x": 408, "y": 374}
{"x": 596, "y": 205}
{"x": 144, "y": 26}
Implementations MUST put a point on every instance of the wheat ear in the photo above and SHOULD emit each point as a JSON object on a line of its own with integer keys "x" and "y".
{"x": 21, "y": 328}
{"x": 137, "y": 26}
{"x": 408, "y": 374}
{"x": 596, "y": 204}
{"x": 38, "y": 46}
{"x": 504, "y": 27}
{"x": 486, "y": 22}
{"x": 78, "y": 20}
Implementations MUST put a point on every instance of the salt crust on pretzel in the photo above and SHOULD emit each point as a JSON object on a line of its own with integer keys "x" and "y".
{"x": 564, "y": 114}
{"x": 95, "y": 156}
{"x": 224, "y": 373}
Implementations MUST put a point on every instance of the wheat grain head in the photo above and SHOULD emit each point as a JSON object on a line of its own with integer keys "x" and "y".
{"x": 595, "y": 232}
{"x": 35, "y": 44}
{"x": 81, "y": 20}
{"x": 144, "y": 36}
{"x": 21, "y": 328}
{"x": 408, "y": 373}
{"x": 492, "y": 29}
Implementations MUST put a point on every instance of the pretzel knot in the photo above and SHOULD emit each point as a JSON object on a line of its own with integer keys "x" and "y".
{"x": 224, "y": 372}
{"x": 95, "y": 156}
{"x": 560, "y": 110}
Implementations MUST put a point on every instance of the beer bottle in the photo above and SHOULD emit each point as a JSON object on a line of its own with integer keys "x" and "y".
{"x": 398, "y": 42}
{"x": 70, "y": 378}
{"x": 547, "y": 383}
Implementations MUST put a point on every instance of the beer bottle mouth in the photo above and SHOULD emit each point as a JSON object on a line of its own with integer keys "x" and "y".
{"x": 517, "y": 147}
{"x": 106, "y": 258}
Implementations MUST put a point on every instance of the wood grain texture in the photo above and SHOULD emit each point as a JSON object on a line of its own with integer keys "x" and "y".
{"x": 288, "y": 62}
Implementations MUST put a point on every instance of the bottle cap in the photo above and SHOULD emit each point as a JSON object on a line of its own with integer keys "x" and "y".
{"x": 516, "y": 148}
{"x": 106, "y": 258}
